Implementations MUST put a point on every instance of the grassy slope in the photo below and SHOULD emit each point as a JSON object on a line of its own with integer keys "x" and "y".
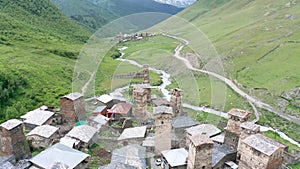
{"x": 85, "y": 13}
{"x": 38, "y": 48}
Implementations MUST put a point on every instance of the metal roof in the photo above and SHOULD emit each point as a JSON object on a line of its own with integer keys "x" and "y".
{"x": 209, "y": 129}
{"x": 105, "y": 98}
{"x": 120, "y": 108}
{"x": 37, "y": 117}
{"x": 99, "y": 109}
{"x": 175, "y": 157}
{"x": 134, "y": 132}
{"x": 100, "y": 119}
{"x": 10, "y": 124}
{"x": 73, "y": 96}
{"x": 45, "y": 131}
{"x": 67, "y": 141}
{"x": 162, "y": 109}
{"x": 183, "y": 121}
{"x": 59, "y": 153}
{"x": 263, "y": 144}
{"x": 83, "y": 133}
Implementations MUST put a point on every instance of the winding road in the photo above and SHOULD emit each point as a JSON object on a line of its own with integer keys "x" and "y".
{"x": 229, "y": 83}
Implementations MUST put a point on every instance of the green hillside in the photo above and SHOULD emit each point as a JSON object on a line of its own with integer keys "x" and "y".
{"x": 85, "y": 13}
{"x": 259, "y": 45}
{"x": 38, "y": 48}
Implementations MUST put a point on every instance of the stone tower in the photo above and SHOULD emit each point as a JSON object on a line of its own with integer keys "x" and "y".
{"x": 235, "y": 118}
{"x": 146, "y": 74}
{"x": 140, "y": 104}
{"x": 146, "y": 82}
{"x": 176, "y": 101}
{"x": 246, "y": 129}
{"x": 163, "y": 126}
{"x": 200, "y": 152}
{"x": 72, "y": 107}
{"x": 13, "y": 141}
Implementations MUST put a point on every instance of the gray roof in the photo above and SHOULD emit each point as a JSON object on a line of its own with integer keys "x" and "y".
{"x": 73, "y": 96}
{"x": 133, "y": 155}
{"x": 219, "y": 152}
{"x": 219, "y": 138}
{"x": 37, "y": 117}
{"x": 105, "y": 98}
{"x": 67, "y": 141}
{"x": 133, "y": 132}
{"x": 263, "y": 144}
{"x": 45, "y": 131}
{"x": 59, "y": 153}
{"x": 209, "y": 129}
{"x": 100, "y": 119}
{"x": 200, "y": 139}
{"x": 162, "y": 109}
{"x": 239, "y": 113}
{"x": 83, "y": 133}
{"x": 7, "y": 165}
{"x": 175, "y": 157}
{"x": 59, "y": 165}
{"x": 148, "y": 142}
{"x": 117, "y": 166}
{"x": 250, "y": 126}
{"x": 10, "y": 124}
{"x": 183, "y": 122}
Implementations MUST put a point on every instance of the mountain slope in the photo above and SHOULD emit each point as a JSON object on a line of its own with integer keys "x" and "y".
{"x": 85, "y": 13}
{"x": 38, "y": 48}
{"x": 178, "y": 3}
{"x": 127, "y": 7}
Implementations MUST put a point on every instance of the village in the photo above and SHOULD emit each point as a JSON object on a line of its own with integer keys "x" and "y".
{"x": 120, "y": 133}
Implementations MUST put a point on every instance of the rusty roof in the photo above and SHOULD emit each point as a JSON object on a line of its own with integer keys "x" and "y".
{"x": 120, "y": 108}
{"x": 263, "y": 144}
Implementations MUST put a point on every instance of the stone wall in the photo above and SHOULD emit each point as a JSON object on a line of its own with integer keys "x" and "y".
{"x": 163, "y": 128}
{"x": 176, "y": 101}
{"x": 13, "y": 142}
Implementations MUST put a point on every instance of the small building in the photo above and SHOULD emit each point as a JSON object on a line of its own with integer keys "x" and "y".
{"x": 13, "y": 141}
{"x": 98, "y": 121}
{"x": 36, "y": 118}
{"x": 176, "y": 101}
{"x": 134, "y": 135}
{"x": 84, "y": 133}
{"x": 120, "y": 110}
{"x": 72, "y": 107}
{"x": 131, "y": 156}
{"x": 100, "y": 110}
{"x": 207, "y": 129}
{"x": 42, "y": 136}
{"x": 70, "y": 142}
{"x": 60, "y": 153}
{"x": 258, "y": 151}
{"x": 105, "y": 100}
{"x": 175, "y": 158}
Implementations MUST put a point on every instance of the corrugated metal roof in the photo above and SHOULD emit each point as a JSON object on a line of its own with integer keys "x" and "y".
{"x": 83, "y": 133}
{"x": 99, "y": 109}
{"x": 175, "y": 157}
{"x": 10, "y": 124}
{"x": 73, "y": 96}
{"x": 105, "y": 98}
{"x": 120, "y": 108}
{"x": 59, "y": 153}
{"x": 70, "y": 142}
{"x": 45, "y": 131}
{"x": 134, "y": 132}
{"x": 37, "y": 117}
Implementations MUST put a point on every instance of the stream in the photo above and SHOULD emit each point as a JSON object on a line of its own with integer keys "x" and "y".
{"x": 166, "y": 81}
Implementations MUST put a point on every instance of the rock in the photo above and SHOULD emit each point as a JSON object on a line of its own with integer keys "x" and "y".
{"x": 293, "y": 94}
{"x": 288, "y": 5}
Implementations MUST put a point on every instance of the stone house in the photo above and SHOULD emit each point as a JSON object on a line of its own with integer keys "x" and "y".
{"x": 65, "y": 155}
{"x": 42, "y": 136}
{"x": 258, "y": 151}
{"x": 72, "y": 107}
{"x": 36, "y": 118}
{"x": 84, "y": 134}
{"x": 13, "y": 141}
{"x": 134, "y": 135}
